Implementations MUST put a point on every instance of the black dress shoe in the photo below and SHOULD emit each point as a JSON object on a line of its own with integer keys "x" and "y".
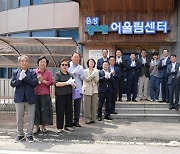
{"x": 99, "y": 119}
{"x": 113, "y": 112}
{"x": 134, "y": 100}
{"x": 92, "y": 121}
{"x": 171, "y": 107}
{"x": 108, "y": 118}
{"x": 76, "y": 125}
{"x": 162, "y": 101}
{"x": 120, "y": 100}
{"x": 176, "y": 108}
{"x": 128, "y": 100}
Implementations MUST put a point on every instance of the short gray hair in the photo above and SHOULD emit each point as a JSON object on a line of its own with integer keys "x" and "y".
{"x": 22, "y": 56}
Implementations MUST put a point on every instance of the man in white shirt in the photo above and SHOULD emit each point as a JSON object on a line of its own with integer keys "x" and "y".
{"x": 121, "y": 64}
{"x": 101, "y": 60}
{"x": 78, "y": 73}
{"x": 132, "y": 67}
{"x": 173, "y": 82}
{"x": 143, "y": 76}
{"x": 164, "y": 62}
{"x": 105, "y": 91}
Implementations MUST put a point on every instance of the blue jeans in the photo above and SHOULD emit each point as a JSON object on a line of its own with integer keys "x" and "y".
{"x": 154, "y": 87}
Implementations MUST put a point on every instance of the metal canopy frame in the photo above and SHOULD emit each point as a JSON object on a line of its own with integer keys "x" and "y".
{"x": 54, "y": 48}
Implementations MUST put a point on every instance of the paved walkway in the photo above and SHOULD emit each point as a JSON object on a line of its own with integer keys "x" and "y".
{"x": 116, "y": 131}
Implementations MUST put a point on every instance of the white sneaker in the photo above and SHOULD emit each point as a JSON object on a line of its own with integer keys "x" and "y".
{"x": 59, "y": 131}
{"x": 69, "y": 128}
{"x": 156, "y": 100}
{"x": 151, "y": 100}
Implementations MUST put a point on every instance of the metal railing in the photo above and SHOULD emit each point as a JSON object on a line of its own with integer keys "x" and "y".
{"x": 7, "y": 96}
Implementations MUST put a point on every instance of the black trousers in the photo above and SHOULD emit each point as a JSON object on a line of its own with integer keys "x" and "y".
{"x": 77, "y": 109}
{"x": 173, "y": 89}
{"x": 64, "y": 108}
{"x": 132, "y": 88}
{"x": 43, "y": 110}
{"x": 121, "y": 82}
{"x": 113, "y": 99}
{"x": 104, "y": 98}
{"x": 164, "y": 89}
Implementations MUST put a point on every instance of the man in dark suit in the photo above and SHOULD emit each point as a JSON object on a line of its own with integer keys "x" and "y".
{"x": 24, "y": 80}
{"x": 115, "y": 82}
{"x": 105, "y": 91}
{"x": 164, "y": 62}
{"x": 132, "y": 67}
{"x": 101, "y": 60}
{"x": 120, "y": 63}
{"x": 143, "y": 75}
{"x": 173, "y": 82}
{"x": 178, "y": 83}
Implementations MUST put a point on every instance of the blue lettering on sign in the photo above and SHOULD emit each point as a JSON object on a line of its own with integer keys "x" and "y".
{"x": 162, "y": 26}
{"x": 92, "y": 21}
{"x": 127, "y": 28}
{"x": 136, "y": 27}
{"x": 150, "y": 27}
{"x": 96, "y": 28}
{"x": 92, "y": 25}
{"x": 116, "y": 27}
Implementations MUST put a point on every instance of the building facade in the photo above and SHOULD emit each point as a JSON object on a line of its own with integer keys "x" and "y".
{"x": 129, "y": 25}
{"x": 38, "y": 18}
{"x": 117, "y": 24}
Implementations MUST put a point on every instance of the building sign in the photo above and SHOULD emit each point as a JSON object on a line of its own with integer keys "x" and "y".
{"x": 127, "y": 27}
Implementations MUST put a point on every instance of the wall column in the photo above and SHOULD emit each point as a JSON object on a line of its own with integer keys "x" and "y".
{"x": 176, "y": 49}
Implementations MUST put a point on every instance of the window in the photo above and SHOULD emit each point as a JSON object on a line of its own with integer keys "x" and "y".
{"x": 59, "y": 1}
{"x": 13, "y": 4}
{"x": 24, "y": 3}
{"x": 3, "y": 73}
{"x": 36, "y": 2}
{"x": 69, "y": 33}
{"x": 3, "y": 35}
{"x": 47, "y": 1}
{"x": 23, "y": 34}
{"x": 45, "y": 33}
{"x": 3, "y": 5}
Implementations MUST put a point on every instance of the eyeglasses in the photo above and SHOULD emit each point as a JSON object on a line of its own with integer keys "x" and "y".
{"x": 64, "y": 64}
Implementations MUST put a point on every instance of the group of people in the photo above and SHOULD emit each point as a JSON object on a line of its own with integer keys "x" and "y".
{"x": 98, "y": 84}
{"x": 140, "y": 72}
{"x": 32, "y": 93}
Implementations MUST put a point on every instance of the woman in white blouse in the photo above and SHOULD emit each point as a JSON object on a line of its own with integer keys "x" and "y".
{"x": 90, "y": 91}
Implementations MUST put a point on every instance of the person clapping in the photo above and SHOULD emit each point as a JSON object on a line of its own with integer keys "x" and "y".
{"x": 105, "y": 91}
{"x": 63, "y": 90}
{"x": 90, "y": 91}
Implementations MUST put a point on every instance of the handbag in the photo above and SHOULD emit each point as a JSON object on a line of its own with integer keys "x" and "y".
{"x": 75, "y": 94}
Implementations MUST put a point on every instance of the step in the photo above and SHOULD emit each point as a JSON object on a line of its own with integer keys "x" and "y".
{"x": 146, "y": 111}
{"x": 148, "y": 116}
{"x": 142, "y": 105}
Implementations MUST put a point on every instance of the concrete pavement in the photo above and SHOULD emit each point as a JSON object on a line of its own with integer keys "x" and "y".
{"x": 118, "y": 130}
{"x": 119, "y": 133}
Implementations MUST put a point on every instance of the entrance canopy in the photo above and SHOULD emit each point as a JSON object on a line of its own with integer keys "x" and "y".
{"x": 54, "y": 49}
